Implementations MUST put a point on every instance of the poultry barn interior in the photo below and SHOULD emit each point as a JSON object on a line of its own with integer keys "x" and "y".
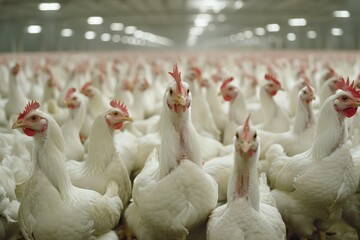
{"x": 187, "y": 119}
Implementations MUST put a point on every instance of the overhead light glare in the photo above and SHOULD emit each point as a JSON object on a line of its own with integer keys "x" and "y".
{"x": 291, "y": 37}
{"x": 117, "y": 26}
{"x": 336, "y": 31}
{"x": 341, "y": 14}
{"x": 105, "y": 37}
{"x": 311, "y": 34}
{"x": 274, "y": 27}
{"x": 297, "y": 22}
{"x": 66, "y": 32}
{"x": 202, "y": 20}
{"x": 130, "y": 29}
{"x": 196, "y": 31}
{"x": 238, "y": 4}
{"x": 248, "y": 34}
{"x": 116, "y": 38}
{"x": 96, "y": 20}
{"x": 89, "y": 35}
{"x": 49, "y": 6}
{"x": 33, "y": 29}
{"x": 260, "y": 31}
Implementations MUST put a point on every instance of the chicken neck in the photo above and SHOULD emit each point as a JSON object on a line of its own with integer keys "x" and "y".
{"x": 179, "y": 140}
{"x": 101, "y": 147}
{"x": 304, "y": 117}
{"x": 330, "y": 131}
{"x": 48, "y": 157}
{"x": 244, "y": 180}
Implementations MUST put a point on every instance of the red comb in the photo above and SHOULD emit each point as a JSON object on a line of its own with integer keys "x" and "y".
{"x": 177, "y": 76}
{"x": 196, "y": 70}
{"x": 226, "y": 82}
{"x": 88, "y": 84}
{"x": 120, "y": 106}
{"x": 346, "y": 86}
{"x": 69, "y": 93}
{"x": 31, "y": 106}
{"x": 307, "y": 83}
{"x": 246, "y": 128}
{"x": 270, "y": 77}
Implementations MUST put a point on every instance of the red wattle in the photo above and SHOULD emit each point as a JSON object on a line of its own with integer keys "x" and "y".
{"x": 176, "y": 108}
{"x": 349, "y": 112}
{"x": 118, "y": 125}
{"x": 184, "y": 108}
{"x": 227, "y": 98}
{"x": 29, "y": 132}
{"x": 273, "y": 93}
{"x": 71, "y": 106}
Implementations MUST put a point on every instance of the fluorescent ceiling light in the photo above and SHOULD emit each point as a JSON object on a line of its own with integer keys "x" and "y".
{"x": 311, "y": 34}
{"x": 95, "y": 20}
{"x": 295, "y": 22}
{"x": 139, "y": 34}
{"x": 336, "y": 31}
{"x": 248, "y": 34}
{"x": 130, "y": 29}
{"x": 116, "y": 38}
{"x": 66, "y": 32}
{"x": 274, "y": 27}
{"x": 34, "y": 29}
{"x": 117, "y": 26}
{"x": 105, "y": 37}
{"x": 341, "y": 14}
{"x": 195, "y": 31}
{"x": 49, "y": 6}
{"x": 238, "y": 4}
{"x": 291, "y": 36}
{"x": 90, "y": 35}
{"x": 260, "y": 31}
{"x": 202, "y": 20}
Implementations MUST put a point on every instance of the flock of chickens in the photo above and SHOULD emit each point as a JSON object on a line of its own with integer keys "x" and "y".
{"x": 179, "y": 146}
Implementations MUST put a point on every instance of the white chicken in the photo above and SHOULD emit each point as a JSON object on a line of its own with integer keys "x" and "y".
{"x": 76, "y": 103}
{"x": 17, "y": 98}
{"x": 52, "y": 208}
{"x": 172, "y": 195}
{"x": 245, "y": 216}
{"x": 103, "y": 163}
{"x": 310, "y": 188}
{"x": 299, "y": 138}
{"x": 275, "y": 119}
{"x": 237, "y": 111}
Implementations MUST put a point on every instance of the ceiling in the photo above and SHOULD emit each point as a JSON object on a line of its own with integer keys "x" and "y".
{"x": 173, "y": 21}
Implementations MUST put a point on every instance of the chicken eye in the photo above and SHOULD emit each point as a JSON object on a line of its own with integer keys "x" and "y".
{"x": 188, "y": 91}
{"x": 74, "y": 98}
{"x": 304, "y": 92}
{"x": 33, "y": 118}
{"x": 171, "y": 91}
{"x": 255, "y": 135}
{"x": 344, "y": 98}
{"x": 237, "y": 136}
{"x": 115, "y": 114}
{"x": 231, "y": 88}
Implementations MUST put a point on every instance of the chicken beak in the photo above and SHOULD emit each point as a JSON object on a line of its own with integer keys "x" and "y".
{"x": 180, "y": 99}
{"x": 220, "y": 94}
{"x": 127, "y": 118}
{"x": 18, "y": 124}
{"x": 245, "y": 146}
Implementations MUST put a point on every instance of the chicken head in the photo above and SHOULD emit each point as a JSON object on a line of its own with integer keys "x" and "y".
{"x": 117, "y": 115}
{"x": 178, "y": 95}
{"x": 31, "y": 120}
